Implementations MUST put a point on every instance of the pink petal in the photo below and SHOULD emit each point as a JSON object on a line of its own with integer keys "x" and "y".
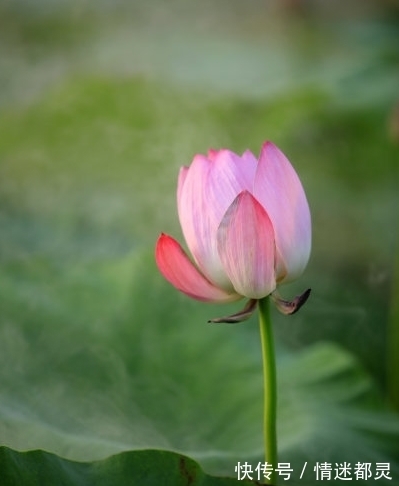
{"x": 192, "y": 203}
{"x": 196, "y": 220}
{"x": 176, "y": 267}
{"x": 207, "y": 190}
{"x": 278, "y": 188}
{"x": 246, "y": 247}
{"x": 250, "y": 158}
{"x": 229, "y": 175}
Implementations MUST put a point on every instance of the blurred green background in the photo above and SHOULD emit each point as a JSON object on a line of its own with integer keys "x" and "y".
{"x": 100, "y": 104}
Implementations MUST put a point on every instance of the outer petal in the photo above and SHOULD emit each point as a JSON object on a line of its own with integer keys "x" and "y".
{"x": 279, "y": 190}
{"x": 247, "y": 248}
{"x": 176, "y": 267}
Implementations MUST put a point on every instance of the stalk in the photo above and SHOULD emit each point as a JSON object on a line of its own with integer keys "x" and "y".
{"x": 269, "y": 387}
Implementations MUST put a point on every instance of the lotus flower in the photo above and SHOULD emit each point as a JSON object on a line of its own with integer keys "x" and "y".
{"x": 247, "y": 225}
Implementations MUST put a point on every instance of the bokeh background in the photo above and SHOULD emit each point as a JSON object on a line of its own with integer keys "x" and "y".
{"x": 100, "y": 104}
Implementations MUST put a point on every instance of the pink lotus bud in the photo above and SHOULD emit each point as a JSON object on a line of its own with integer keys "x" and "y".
{"x": 246, "y": 223}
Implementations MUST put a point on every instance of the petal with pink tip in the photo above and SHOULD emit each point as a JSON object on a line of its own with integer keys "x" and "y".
{"x": 247, "y": 248}
{"x": 176, "y": 267}
{"x": 279, "y": 190}
{"x": 212, "y": 153}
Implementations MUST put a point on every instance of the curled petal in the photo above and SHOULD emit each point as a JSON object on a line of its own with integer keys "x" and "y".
{"x": 278, "y": 188}
{"x": 240, "y": 316}
{"x": 177, "y": 268}
{"x": 288, "y": 307}
{"x": 246, "y": 247}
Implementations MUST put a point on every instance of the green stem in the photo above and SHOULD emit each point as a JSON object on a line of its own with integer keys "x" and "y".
{"x": 270, "y": 387}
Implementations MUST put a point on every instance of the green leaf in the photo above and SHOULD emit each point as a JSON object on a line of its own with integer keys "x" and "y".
{"x": 147, "y": 467}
